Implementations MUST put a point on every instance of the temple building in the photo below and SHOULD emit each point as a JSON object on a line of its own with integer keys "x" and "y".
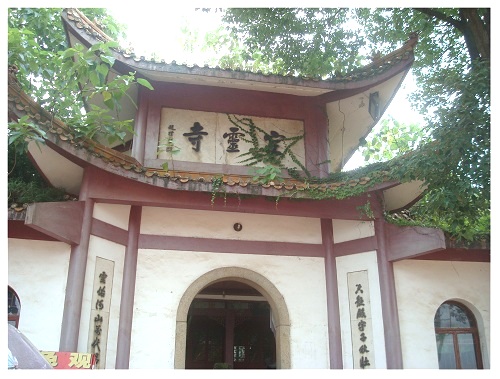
{"x": 174, "y": 254}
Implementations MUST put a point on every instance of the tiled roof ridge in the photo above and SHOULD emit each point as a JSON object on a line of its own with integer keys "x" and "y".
{"x": 21, "y": 102}
{"x": 376, "y": 67}
{"x": 82, "y": 22}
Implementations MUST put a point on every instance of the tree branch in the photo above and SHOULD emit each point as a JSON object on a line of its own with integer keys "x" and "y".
{"x": 459, "y": 24}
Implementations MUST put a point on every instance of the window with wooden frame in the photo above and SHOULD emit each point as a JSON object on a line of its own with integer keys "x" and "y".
{"x": 457, "y": 337}
{"x": 13, "y": 307}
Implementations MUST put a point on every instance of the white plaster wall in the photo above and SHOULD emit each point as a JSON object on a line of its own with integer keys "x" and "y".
{"x": 352, "y": 263}
{"x": 114, "y": 214}
{"x": 114, "y": 252}
{"x": 348, "y": 230}
{"x": 214, "y": 224}
{"x": 422, "y": 286}
{"x": 163, "y": 276}
{"x": 37, "y": 271}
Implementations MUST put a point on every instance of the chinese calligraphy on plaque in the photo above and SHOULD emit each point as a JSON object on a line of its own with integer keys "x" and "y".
{"x": 233, "y": 139}
{"x": 209, "y": 137}
{"x": 196, "y": 135}
{"x": 361, "y": 320}
{"x": 99, "y": 315}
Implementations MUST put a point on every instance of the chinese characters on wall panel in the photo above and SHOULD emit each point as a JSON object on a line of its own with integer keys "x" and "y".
{"x": 99, "y": 315}
{"x": 361, "y": 319}
{"x": 209, "y": 137}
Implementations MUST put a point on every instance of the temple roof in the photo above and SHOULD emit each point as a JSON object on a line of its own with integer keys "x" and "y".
{"x": 65, "y": 156}
{"x": 345, "y": 96}
{"x": 81, "y": 29}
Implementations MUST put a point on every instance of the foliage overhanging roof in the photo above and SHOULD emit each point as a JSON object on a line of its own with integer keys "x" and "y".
{"x": 83, "y": 151}
{"x": 89, "y": 33}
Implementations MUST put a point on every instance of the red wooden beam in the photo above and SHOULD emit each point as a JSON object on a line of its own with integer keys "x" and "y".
{"x": 59, "y": 220}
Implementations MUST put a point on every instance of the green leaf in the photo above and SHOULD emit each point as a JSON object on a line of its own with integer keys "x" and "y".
{"x": 145, "y": 83}
{"x": 107, "y": 59}
{"x": 94, "y": 78}
{"x": 106, "y": 96}
{"x": 103, "y": 69}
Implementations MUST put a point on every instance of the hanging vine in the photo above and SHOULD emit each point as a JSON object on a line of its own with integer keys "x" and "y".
{"x": 217, "y": 182}
{"x": 339, "y": 185}
{"x": 265, "y": 148}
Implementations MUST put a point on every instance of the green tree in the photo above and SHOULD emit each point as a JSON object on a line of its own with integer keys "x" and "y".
{"x": 61, "y": 79}
{"x": 392, "y": 140}
{"x": 452, "y": 71}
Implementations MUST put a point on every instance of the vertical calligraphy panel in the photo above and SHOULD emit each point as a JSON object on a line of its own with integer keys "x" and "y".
{"x": 361, "y": 319}
{"x": 99, "y": 315}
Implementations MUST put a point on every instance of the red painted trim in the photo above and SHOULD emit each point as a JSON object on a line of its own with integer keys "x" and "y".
{"x": 393, "y": 351}
{"x": 109, "y": 232}
{"x": 458, "y": 255}
{"x": 61, "y": 220}
{"x": 360, "y": 245}
{"x": 72, "y": 312}
{"x": 230, "y": 100}
{"x": 214, "y": 245}
{"x": 404, "y": 242}
{"x": 128, "y": 289}
{"x": 19, "y": 230}
{"x": 116, "y": 189}
{"x": 316, "y": 141}
{"x": 332, "y": 298}
{"x": 355, "y": 88}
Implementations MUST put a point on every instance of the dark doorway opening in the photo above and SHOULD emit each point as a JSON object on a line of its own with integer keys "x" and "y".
{"x": 230, "y": 325}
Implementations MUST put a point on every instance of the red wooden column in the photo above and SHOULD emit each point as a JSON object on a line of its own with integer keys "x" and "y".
{"x": 332, "y": 297}
{"x": 72, "y": 312}
{"x": 128, "y": 289}
{"x": 316, "y": 139}
{"x": 394, "y": 355}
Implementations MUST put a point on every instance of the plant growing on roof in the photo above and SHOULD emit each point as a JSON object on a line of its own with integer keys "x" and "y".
{"x": 63, "y": 79}
{"x": 217, "y": 182}
{"x": 54, "y": 75}
{"x": 265, "y": 151}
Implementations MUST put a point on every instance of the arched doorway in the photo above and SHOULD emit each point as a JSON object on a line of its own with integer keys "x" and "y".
{"x": 13, "y": 307}
{"x": 238, "y": 278}
{"x": 230, "y": 324}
